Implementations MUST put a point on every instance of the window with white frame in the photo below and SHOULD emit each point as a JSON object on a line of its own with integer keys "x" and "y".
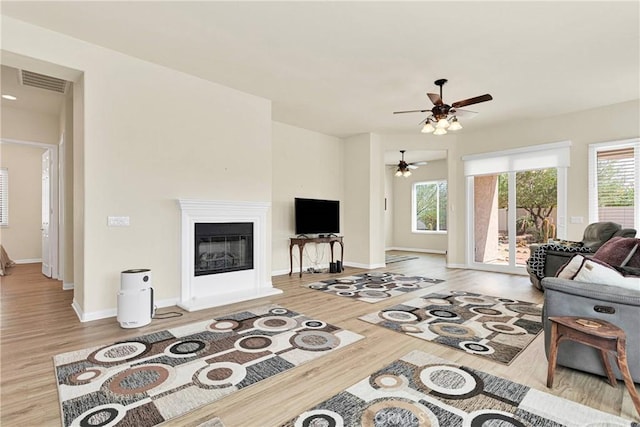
{"x": 4, "y": 197}
{"x": 614, "y": 182}
{"x": 429, "y": 206}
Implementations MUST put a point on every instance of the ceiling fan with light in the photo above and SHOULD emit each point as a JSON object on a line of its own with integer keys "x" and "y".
{"x": 404, "y": 168}
{"x": 444, "y": 117}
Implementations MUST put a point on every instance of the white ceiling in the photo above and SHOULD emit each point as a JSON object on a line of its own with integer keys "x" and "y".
{"x": 342, "y": 68}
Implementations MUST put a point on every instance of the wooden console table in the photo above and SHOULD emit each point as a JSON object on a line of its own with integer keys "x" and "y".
{"x": 301, "y": 241}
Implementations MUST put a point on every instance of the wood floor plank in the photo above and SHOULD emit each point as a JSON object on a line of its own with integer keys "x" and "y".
{"x": 37, "y": 322}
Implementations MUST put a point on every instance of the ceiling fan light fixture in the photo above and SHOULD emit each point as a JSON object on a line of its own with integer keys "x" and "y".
{"x": 398, "y": 172}
{"x": 428, "y": 127}
{"x": 455, "y": 124}
{"x": 443, "y": 123}
{"x": 443, "y": 115}
{"x": 406, "y": 173}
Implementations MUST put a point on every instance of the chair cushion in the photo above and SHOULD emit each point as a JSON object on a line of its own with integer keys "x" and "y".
{"x": 620, "y": 252}
{"x": 599, "y": 232}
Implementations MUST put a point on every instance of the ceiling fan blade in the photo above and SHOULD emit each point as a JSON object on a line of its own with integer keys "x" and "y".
{"x": 410, "y": 111}
{"x": 417, "y": 164}
{"x": 470, "y": 101}
{"x": 411, "y": 166}
{"x": 435, "y": 98}
{"x": 467, "y": 114}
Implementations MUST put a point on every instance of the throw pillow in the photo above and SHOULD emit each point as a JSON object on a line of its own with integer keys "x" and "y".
{"x": 619, "y": 252}
{"x": 571, "y": 267}
{"x": 596, "y": 272}
{"x": 568, "y": 243}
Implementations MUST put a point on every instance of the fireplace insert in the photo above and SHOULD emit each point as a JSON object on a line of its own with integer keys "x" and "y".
{"x": 223, "y": 247}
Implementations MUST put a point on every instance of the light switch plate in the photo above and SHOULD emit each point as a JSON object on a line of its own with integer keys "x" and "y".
{"x": 577, "y": 220}
{"x": 118, "y": 221}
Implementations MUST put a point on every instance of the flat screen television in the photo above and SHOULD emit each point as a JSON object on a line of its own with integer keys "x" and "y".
{"x": 315, "y": 216}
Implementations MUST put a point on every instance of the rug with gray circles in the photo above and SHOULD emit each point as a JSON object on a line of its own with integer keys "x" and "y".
{"x": 148, "y": 380}
{"x": 374, "y": 286}
{"x": 420, "y": 389}
{"x": 496, "y": 328}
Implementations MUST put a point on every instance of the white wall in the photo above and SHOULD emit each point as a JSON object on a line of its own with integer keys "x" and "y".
{"x": 364, "y": 201}
{"x": 403, "y": 237}
{"x": 420, "y": 141}
{"x": 610, "y": 123}
{"x": 310, "y": 165}
{"x": 31, "y": 126}
{"x": 151, "y": 135}
{"x": 22, "y": 238}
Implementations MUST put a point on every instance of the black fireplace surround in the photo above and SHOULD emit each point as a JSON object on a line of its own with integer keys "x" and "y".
{"x": 223, "y": 247}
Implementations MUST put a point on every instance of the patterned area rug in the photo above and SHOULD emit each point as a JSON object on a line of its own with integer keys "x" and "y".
{"x": 423, "y": 390}
{"x": 374, "y": 286}
{"x": 495, "y": 328}
{"x": 388, "y": 258}
{"x": 150, "y": 379}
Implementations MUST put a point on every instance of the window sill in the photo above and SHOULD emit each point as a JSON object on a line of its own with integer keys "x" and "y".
{"x": 428, "y": 232}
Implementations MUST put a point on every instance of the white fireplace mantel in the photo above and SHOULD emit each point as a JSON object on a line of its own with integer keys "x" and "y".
{"x": 199, "y": 292}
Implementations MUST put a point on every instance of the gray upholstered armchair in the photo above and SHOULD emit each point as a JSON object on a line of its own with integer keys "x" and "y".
{"x": 546, "y": 259}
{"x": 614, "y": 304}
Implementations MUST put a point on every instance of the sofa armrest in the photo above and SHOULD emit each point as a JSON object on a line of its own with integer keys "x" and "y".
{"x": 556, "y": 259}
{"x": 626, "y": 232}
{"x": 596, "y": 291}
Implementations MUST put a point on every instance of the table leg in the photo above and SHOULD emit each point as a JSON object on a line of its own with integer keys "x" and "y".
{"x": 301, "y": 247}
{"x": 626, "y": 375}
{"x": 607, "y": 367}
{"x": 331, "y": 246}
{"x": 553, "y": 354}
{"x": 290, "y": 259}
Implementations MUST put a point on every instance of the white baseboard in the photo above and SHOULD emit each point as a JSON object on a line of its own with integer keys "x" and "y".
{"x": 296, "y": 270}
{"x": 365, "y": 266}
{"x": 426, "y": 251}
{"x": 113, "y": 312}
{"x": 452, "y": 265}
{"x": 27, "y": 260}
{"x": 66, "y": 286}
{"x": 496, "y": 269}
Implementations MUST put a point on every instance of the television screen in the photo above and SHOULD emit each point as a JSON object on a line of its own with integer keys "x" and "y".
{"x": 314, "y": 216}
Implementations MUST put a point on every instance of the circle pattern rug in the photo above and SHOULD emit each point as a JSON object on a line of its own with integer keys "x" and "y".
{"x": 374, "y": 286}
{"x": 491, "y": 327}
{"x": 423, "y": 390}
{"x": 147, "y": 380}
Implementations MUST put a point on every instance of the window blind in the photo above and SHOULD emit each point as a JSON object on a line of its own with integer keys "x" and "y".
{"x": 542, "y": 156}
{"x": 616, "y": 185}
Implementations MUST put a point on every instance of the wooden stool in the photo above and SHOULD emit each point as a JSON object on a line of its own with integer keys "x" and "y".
{"x": 600, "y": 334}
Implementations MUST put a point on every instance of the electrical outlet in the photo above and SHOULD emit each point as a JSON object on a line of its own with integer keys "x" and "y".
{"x": 118, "y": 221}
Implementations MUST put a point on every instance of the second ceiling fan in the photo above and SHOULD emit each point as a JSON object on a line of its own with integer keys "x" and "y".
{"x": 444, "y": 117}
{"x": 404, "y": 168}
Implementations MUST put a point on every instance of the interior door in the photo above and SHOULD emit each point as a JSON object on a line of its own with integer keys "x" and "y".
{"x": 46, "y": 213}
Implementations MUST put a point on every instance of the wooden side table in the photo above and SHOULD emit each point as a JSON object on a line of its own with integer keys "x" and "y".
{"x": 596, "y": 333}
{"x": 301, "y": 241}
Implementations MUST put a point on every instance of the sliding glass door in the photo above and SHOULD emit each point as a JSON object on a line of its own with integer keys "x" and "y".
{"x": 512, "y": 206}
{"x": 511, "y": 211}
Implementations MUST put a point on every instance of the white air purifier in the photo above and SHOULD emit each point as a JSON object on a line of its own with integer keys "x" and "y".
{"x": 135, "y": 298}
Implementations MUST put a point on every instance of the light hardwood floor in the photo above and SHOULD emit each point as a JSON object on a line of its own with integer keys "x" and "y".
{"x": 38, "y": 323}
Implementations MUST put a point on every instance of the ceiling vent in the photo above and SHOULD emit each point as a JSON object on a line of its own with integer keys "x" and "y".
{"x": 29, "y": 78}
